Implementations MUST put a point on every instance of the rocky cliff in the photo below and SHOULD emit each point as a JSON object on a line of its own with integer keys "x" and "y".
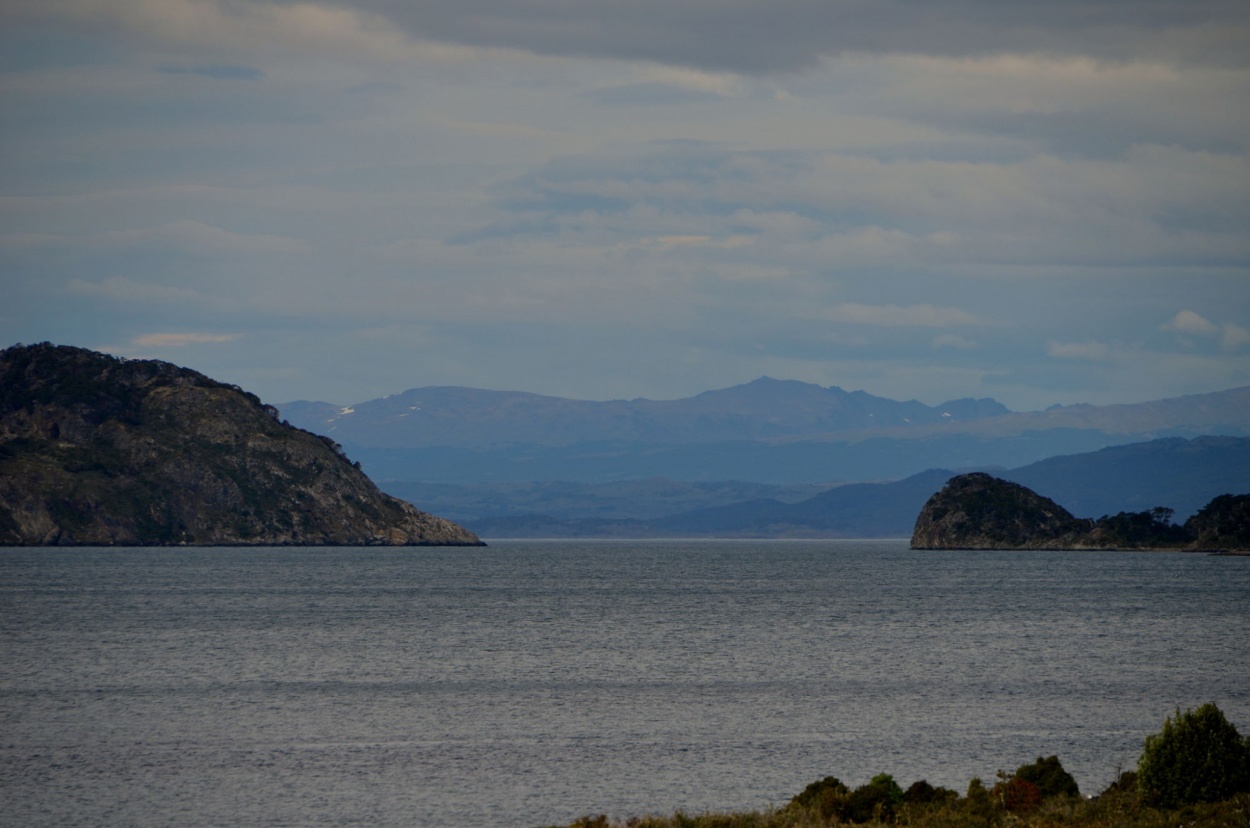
{"x": 99, "y": 450}
{"x": 977, "y": 511}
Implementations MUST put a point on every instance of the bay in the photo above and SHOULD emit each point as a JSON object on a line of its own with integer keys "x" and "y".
{"x": 528, "y": 683}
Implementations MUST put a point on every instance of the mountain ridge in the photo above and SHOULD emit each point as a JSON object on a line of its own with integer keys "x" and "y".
{"x": 762, "y": 409}
{"x": 748, "y": 410}
{"x": 769, "y": 431}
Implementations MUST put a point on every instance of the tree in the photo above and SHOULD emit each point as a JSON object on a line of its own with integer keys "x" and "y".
{"x": 1049, "y": 777}
{"x": 874, "y": 801}
{"x": 1224, "y": 523}
{"x": 1197, "y": 757}
{"x": 827, "y": 795}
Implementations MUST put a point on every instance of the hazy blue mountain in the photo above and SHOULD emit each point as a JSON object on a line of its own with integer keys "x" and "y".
{"x": 299, "y": 412}
{"x": 473, "y": 418}
{"x": 767, "y": 431}
{"x": 778, "y": 462}
{"x": 857, "y": 510}
{"x": 1181, "y": 474}
{"x": 1175, "y": 473}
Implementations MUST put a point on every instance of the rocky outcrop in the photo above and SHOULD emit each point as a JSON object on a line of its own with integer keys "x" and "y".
{"x": 99, "y": 450}
{"x": 977, "y": 511}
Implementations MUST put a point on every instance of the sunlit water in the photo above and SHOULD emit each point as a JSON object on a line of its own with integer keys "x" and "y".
{"x": 530, "y": 683}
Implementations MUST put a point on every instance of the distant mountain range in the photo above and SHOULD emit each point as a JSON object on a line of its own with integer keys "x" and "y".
{"x": 760, "y": 410}
{"x": 1175, "y": 473}
{"x": 768, "y": 431}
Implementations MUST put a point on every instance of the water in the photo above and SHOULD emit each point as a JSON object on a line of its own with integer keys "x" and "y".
{"x": 529, "y": 683}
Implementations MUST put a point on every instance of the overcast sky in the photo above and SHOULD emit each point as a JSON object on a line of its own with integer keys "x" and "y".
{"x": 1044, "y": 201}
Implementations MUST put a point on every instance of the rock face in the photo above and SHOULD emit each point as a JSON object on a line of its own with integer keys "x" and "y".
{"x": 99, "y": 450}
{"x": 977, "y": 511}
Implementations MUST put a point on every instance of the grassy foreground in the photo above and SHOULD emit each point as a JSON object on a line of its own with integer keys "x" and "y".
{"x": 1114, "y": 809}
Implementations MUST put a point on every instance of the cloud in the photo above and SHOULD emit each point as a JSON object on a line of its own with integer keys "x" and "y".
{"x": 1038, "y": 209}
{"x": 953, "y": 341}
{"x": 179, "y": 340}
{"x": 1234, "y": 337}
{"x": 186, "y": 234}
{"x": 260, "y": 27}
{"x": 742, "y": 36}
{"x": 649, "y": 94}
{"x": 746, "y": 36}
{"x": 1091, "y": 350}
{"x": 217, "y": 72}
{"x": 887, "y": 189}
{"x": 121, "y": 289}
{"x": 1068, "y": 104}
{"x": 1188, "y": 322}
{"x": 899, "y": 316}
{"x": 205, "y": 238}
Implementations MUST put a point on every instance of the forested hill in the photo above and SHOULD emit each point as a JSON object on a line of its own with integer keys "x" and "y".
{"x": 978, "y": 511}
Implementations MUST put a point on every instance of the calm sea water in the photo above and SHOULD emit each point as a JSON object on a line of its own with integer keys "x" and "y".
{"x": 529, "y": 683}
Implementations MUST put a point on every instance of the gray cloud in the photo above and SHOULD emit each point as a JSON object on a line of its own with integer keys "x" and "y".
{"x": 1033, "y": 211}
{"x": 1025, "y": 200}
{"x": 751, "y": 37}
{"x": 635, "y": 94}
{"x": 744, "y": 36}
{"x": 216, "y": 71}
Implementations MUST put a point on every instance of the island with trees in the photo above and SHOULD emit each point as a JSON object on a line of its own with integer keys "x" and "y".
{"x": 979, "y": 511}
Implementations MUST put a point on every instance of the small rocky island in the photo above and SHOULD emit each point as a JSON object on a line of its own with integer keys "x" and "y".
{"x": 97, "y": 450}
{"x": 978, "y": 511}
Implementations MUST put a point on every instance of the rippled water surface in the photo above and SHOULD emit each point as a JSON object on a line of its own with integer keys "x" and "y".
{"x": 530, "y": 683}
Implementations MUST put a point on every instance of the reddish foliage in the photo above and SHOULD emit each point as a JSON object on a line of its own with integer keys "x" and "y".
{"x": 1019, "y": 795}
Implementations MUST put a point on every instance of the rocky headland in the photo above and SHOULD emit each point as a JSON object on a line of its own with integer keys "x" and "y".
{"x": 99, "y": 450}
{"x": 979, "y": 511}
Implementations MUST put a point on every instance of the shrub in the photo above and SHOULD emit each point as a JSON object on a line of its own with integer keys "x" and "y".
{"x": 827, "y": 795}
{"x": 1125, "y": 782}
{"x": 876, "y": 800}
{"x": 1049, "y": 777}
{"x": 1197, "y": 757}
{"x": 978, "y": 805}
{"x": 922, "y": 793}
{"x": 1019, "y": 795}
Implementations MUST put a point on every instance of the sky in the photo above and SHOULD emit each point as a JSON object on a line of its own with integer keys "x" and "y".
{"x": 1043, "y": 201}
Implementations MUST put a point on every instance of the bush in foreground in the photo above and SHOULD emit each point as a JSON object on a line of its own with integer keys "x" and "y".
{"x": 1126, "y": 810}
{"x": 1195, "y": 773}
{"x": 1049, "y": 777}
{"x": 1197, "y": 757}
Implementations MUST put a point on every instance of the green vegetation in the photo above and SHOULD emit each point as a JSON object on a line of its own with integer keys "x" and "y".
{"x": 1197, "y": 757}
{"x": 1110, "y": 810}
{"x": 1194, "y": 773}
{"x": 1142, "y": 530}
{"x": 1049, "y": 777}
{"x": 1224, "y": 523}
